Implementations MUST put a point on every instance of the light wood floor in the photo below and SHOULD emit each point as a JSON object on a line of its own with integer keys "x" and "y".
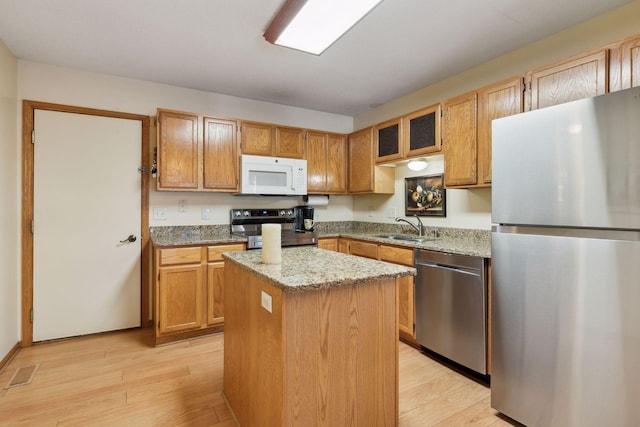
{"x": 119, "y": 379}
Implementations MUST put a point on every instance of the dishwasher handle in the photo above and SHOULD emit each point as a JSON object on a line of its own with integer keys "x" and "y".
{"x": 448, "y": 268}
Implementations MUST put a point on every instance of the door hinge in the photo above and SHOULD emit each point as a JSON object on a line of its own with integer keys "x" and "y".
{"x": 524, "y": 87}
{"x": 33, "y": 136}
{"x": 31, "y": 315}
{"x": 31, "y": 226}
{"x": 158, "y": 324}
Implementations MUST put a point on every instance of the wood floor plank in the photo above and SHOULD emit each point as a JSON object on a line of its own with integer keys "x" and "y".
{"x": 120, "y": 379}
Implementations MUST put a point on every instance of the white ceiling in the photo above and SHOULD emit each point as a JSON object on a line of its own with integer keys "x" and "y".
{"x": 217, "y": 45}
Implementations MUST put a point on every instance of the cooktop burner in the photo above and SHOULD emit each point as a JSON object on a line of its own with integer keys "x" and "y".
{"x": 248, "y": 223}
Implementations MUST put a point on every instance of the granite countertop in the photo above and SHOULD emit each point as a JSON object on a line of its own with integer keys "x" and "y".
{"x": 309, "y": 268}
{"x": 455, "y": 241}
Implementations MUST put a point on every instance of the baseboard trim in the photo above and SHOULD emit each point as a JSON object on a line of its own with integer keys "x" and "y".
{"x": 9, "y": 356}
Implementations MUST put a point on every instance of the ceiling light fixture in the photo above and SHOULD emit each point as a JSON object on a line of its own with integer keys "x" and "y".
{"x": 417, "y": 165}
{"x": 314, "y": 25}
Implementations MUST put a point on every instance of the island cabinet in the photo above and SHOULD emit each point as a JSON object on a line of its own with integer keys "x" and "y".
{"x": 196, "y": 153}
{"x": 406, "y": 286}
{"x": 421, "y": 132}
{"x": 388, "y": 141}
{"x": 264, "y": 139}
{"x": 576, "y": 78}
{"x": 364, "y": 176}
{"x": 326, "y": 163}
{"x": 315, "y": 348}
{"x": 188, "y": 295}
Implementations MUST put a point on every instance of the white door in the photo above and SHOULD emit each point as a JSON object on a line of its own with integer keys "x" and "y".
{"x": 87, "y": 195}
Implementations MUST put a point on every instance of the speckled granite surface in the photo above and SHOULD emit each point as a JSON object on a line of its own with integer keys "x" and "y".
{"x": 451, "y": 240}
{"x": 309, "y": 268}
{"x": 192, "y": 235}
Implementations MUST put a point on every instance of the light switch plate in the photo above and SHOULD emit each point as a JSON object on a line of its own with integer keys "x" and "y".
{"x": 391, "y": 213}
{"x": 267, "y": 301}
{"x": 205, "y": 213}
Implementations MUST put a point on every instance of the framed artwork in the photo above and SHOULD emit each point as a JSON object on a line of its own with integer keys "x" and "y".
{"x": 425, "y": 196}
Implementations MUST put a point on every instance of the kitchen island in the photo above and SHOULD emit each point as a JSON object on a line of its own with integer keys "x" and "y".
{"x": 313, "y": 340}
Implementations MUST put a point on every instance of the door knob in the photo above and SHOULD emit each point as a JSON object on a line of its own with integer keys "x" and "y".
{"x": 129, "y": 239}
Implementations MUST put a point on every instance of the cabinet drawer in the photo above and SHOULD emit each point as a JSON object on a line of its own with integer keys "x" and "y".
{"x": 180, "y": 256}
{"x": 365, "y": 249}
{"x": 396, "y": 255}
{"x": 215, "y": 252}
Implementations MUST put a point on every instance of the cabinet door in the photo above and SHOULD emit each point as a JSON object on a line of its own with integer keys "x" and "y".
{"x": 215, "y": 293}
{"x": 343, "y": 245}
{"x": 460, "y": 149}
{"x": 630, "y": 69}
{"x": 387, "y": 140}
{"x": 336, "y": 164}
{"x": 215, "y": 281}
{"x": 180, "y": 298}
{"x": 290, "y": 142}
{"x": 316, "y": 162}
{"x": 406, "y": 303}
{"x": 495, "y": 101}
{"x": 220, "y": 157}
{"x": 329, "y": 244}
{"x": 570, "y": 80}
{"x": 361, "y": 161}
{"x": 257, "y": 139}
{"x": 421, "y": 132}
{"x": 364, "y": 249}
{"x": 178, "y": 151}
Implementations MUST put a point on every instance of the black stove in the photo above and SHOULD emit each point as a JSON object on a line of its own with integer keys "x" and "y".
{"x": 248, "y": 223}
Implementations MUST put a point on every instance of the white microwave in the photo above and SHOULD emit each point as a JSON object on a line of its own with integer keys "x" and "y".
{"x": 272, "y": 175}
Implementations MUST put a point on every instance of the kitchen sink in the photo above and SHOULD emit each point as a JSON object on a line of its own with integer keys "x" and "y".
{"x": 405, "y": 238}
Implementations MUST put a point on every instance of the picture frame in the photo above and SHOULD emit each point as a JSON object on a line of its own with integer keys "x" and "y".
{"x": 425, "y": 196}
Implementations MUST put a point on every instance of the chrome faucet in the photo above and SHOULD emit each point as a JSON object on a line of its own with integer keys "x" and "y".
{"x": 418, "y": 227}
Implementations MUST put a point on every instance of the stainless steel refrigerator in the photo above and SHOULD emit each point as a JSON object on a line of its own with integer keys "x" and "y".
{"x": 566, "y": 263}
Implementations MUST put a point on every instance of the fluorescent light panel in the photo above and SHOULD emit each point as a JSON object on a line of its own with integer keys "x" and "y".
{"x": 319, "y": 23}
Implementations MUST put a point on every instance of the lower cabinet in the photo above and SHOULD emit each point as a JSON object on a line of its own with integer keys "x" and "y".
{"x": 188, "y": 298}
{"x": 396, "y": 255}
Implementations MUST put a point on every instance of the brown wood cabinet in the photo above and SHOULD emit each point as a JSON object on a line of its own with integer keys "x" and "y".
{"x": 406, "y": 286}
{"x": 460, "y": 140}
{"x": 220, "y": 155}
{"x": 388, "y": 141}
{"x": 264, "y": 139}
{"x": 188, "y": 296}
{"x": 326, "y": 163}
{"x": 630, "y": 63}
{"x": 178, "y": 151}
{"x": 364, "y": 176}
{"x": 421, "y": 132}
{"x": 192, "y": 157}
{"x": 576, "y": 78}
{"x": 328, "y": 243}
{"x": 498, "y": 100}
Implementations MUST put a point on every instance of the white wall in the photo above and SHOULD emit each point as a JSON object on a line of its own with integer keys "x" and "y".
{"x": 9, "y": 222}
{"x": 465, "y": 208}
{"x": 41, "y": 82}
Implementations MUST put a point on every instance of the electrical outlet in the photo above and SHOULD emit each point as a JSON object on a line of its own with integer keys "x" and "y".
{"x": 160, "y": 214}
{"x": 391, "y": 213}
{"x": 267, "y": 302}
{"x": 182, "y": 206}
{"x": 205, "y": 213}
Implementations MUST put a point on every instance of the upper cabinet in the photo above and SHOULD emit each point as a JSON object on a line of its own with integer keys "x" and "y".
{"x": 495, "y": 101}
{"x": 460, "y": 139}
{"x": 364, "y": 176}
{"x": 624, "y": 64}
{"x": 577, "y": 78}
{"x": 263, "y": 139}
{"x": 326, "y": 163}
{"x": 178, "y": 151}
{"x": 421, "y": 132}
{"x": 388, "y": 141}
{"x": 220, "y": 155}
{"x": 196, "y": 154}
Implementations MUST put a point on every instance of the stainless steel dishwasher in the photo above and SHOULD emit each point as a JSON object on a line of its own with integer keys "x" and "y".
{"x": 451, "y": 306}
